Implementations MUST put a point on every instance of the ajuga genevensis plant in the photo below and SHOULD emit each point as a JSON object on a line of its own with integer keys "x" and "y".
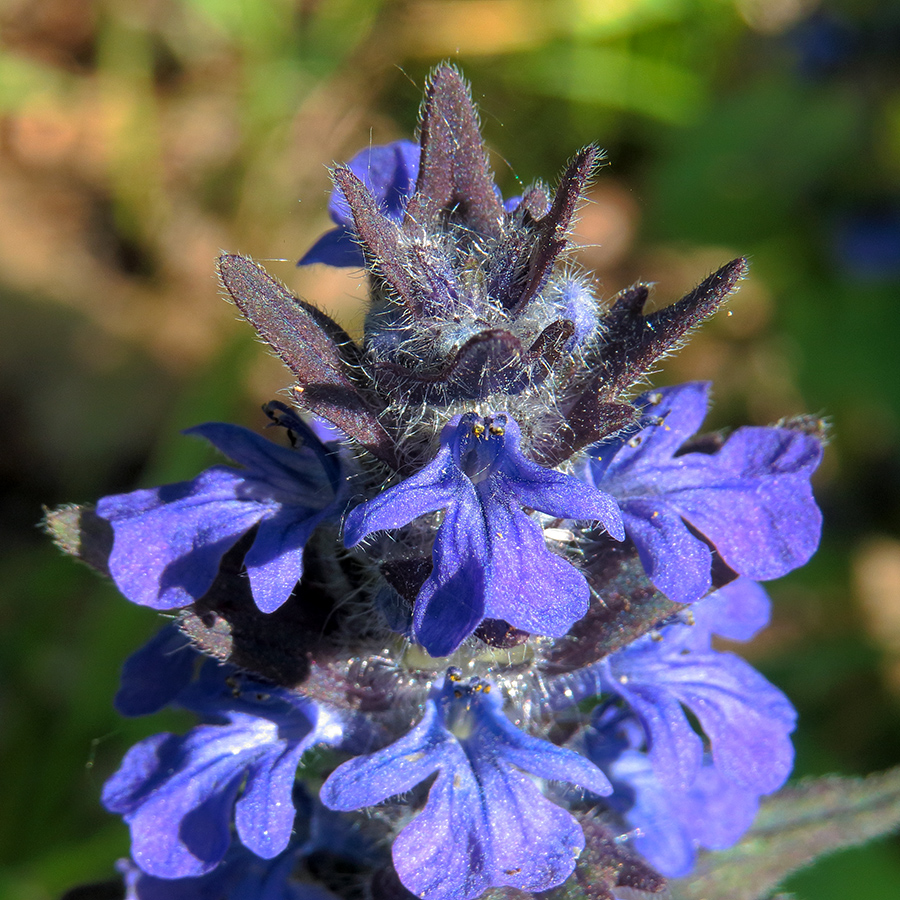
{"x": 447, "y": 628}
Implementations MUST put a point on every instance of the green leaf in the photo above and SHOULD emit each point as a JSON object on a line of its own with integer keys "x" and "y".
{"x": 793, "y": 828}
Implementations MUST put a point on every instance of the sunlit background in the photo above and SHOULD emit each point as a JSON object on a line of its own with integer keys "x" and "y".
{"x": 140, "y": 137}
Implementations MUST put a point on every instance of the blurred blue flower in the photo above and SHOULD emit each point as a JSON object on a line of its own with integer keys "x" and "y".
{"x": 824, "y": 43}
{"x": 867, "y": 244}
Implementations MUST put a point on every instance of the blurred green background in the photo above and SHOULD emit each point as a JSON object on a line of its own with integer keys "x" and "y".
{"x": 140, "y": 137}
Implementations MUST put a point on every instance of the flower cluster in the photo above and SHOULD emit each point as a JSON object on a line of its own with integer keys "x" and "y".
{"x": 389, "y": 620}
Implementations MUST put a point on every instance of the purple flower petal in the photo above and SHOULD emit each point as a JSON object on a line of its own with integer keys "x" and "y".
{"x": 717, "y": 810}
{"x": 506, "y": 821}
{"x": 169, "y": 541}
{"x": 736, "y": 612}
{"x": 673, "y": 415}
{"x": 758, "y": 507}
{"x": 524, "y": 858}
{"x": 747, "y": 720}
{"x": 485, "y": 824}
{"x": 177, "y": 793}
{"x": 523, "y": 569}
{"x": 676, "y": 561}
{"x": 713, "y": 813}
{"x": 437, "y": 485}
{"x": 559, "y": 495}
{"x": 428, "y": 854}
{"x": 153, "y": 676}
{"x": 389, "y": 171}
{"x": 675, "y": 749}
{"x": 264, "y": 815}
{"x": 490, "y": 558}
{"x": 542, "y": 758}
{"x": 286, "y": 472}
{"x": 751, "y": 499}
{"x": 452, "y": 600}
{"x": 275, "y": 561}
{"x": 660, "y": 837}
{"x": 179, "y": 822}
{"x": 338, "y": 247}
{"x": 399, "y": 767}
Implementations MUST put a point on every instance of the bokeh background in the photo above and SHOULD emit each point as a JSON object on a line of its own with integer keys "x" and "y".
{"x": 140, "y": 137}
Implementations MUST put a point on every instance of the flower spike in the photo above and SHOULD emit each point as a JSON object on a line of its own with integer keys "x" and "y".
{"x": 474, "y": 477}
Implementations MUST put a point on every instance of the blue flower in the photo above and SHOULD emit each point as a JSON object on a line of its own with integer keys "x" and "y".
{"x": 389, "y": 172}
{"x": 751, "y": 499}
{"x": 242, "y": 875}
{"x": 155, "y": 675}
{"x": 824, "y": 43}
{"x": 669, "y": 827}
{"x": 177, "y": 792}
{"x": 485, "y": 824}
{"x": 677, "y": 793}
{"x": 747, "y": 720}
{"x": 490, "y": 558}
{"x": 169, "y": 541}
